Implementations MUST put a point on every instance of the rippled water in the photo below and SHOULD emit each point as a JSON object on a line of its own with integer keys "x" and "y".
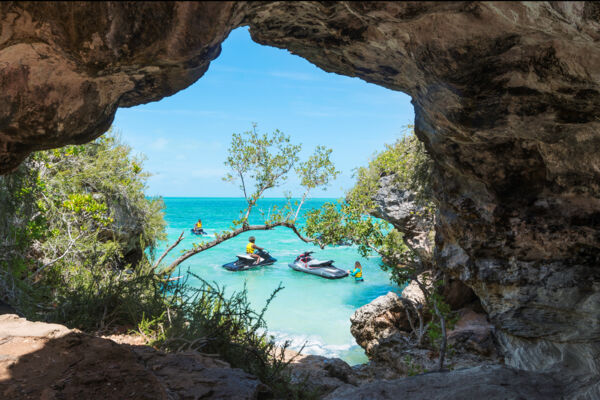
{"x": 310, "y": 309}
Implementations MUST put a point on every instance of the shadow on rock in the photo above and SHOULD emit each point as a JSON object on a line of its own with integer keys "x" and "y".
{"x": 486, "y": 382}
{"x": 49, "y": 361}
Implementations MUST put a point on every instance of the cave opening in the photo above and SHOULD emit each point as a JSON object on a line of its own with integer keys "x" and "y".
{"x": 185, "y": 139}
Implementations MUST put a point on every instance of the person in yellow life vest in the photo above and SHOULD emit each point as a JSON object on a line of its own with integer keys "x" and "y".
{"x": 250, "y": 247}
{"x": 357, "y": 273}
{"x": 198, "y": 227}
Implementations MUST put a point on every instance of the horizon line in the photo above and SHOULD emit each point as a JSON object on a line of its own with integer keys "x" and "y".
{"x": 235, "y": 197}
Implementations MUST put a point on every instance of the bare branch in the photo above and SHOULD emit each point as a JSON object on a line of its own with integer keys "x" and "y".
{"x": 301, "y": 203}
{"x": 43, "y": 267}
{"x": 168, "y": 251}
{"x": 243, "y": 185}
{"x": 444, "y": 339}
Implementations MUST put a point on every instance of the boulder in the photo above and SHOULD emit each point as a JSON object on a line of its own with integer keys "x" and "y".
{"x": 381, "y": 318}
{"x": 320, "y": 374}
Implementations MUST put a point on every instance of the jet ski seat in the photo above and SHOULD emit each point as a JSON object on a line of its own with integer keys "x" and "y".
{"x": 246, "y": 257}
{"x": 317, "y": 263}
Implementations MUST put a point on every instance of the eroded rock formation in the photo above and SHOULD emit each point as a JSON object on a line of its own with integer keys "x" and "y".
{"x": 507, "y": 101}
{"x": 382, "y": 328}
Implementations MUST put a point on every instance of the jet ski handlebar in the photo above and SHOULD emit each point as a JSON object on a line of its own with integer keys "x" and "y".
{"x": 304, "y": 256}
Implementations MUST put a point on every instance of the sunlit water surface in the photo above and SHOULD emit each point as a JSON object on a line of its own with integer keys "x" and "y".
{"x": 310, "y": 309}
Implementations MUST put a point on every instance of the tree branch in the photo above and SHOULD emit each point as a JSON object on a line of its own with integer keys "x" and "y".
{"x": 231, "y": 235}
{"x": 168, "y": 251}
{"x": 43, "y": 267}
{"x": 443, "y": 329}
{"x": 301, "y": 203}
{"x": 243, "y": 185}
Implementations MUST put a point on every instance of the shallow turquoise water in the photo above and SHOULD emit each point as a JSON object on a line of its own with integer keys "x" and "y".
{"x": 310, "y": 309}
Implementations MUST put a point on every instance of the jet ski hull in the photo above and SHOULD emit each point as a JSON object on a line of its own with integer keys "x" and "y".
{"x": 327, "y": 271}
{"x": 245, "y": 263}
{"x": 236, "y": 266}
{"x": 202, "y": 232}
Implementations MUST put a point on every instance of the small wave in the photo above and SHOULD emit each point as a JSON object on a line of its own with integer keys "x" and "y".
{"x": 313, "y": 345}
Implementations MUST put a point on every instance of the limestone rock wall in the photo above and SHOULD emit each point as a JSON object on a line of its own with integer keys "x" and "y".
{"x": 506, "y": 96}
{"x": 66, "y": 67}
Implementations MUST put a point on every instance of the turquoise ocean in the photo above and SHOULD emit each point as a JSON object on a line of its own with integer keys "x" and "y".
{"x": 310, "y": 310}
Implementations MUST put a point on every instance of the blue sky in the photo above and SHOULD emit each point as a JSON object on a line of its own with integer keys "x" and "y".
{"x": 185, "y": 136}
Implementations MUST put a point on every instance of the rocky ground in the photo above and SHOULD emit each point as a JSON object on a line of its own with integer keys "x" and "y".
{"x": 50, "y": 361}
{"x": 383, "y": 330}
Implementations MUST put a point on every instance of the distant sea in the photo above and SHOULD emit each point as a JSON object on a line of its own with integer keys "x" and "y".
{"x": 310, "y": 309}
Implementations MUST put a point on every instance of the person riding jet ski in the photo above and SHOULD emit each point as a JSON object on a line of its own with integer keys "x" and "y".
{"x": 255, "y": 257}
{"x": 197, "y": 229}
{"x": 251, "y": 247}
{"x": 305, "y": 263}
{"x": 245, "y": 261}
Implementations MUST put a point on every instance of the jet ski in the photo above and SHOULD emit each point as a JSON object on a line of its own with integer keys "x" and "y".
{"x": 198, "y": 232}
{"x": 245, "y": 261}
{"x": 305, "y": 263}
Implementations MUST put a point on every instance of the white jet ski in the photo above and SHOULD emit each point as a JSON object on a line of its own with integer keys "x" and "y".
{"x": 325, "y": 269}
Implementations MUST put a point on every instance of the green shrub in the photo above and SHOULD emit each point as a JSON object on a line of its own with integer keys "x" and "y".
{"x": 351, "y": 220}
{"x": 77, "y": 248}
{"x": 72, "y": 219}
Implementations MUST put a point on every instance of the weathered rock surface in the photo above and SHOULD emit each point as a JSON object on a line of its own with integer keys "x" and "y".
{"x": 382, "y": 328}
{"x": 506, "y": 96}
{"x": 398, "y": 206}
{"x": 320, "y": 374}
{"x": 490, "y": 383}
{"x": 381, "y": 318}
{"x": 50, "y": 361}
{"x": 473, "y": 333}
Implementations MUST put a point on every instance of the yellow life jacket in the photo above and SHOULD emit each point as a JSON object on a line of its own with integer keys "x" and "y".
{"x": 357, "y": 273}
{"x": 249, "y": 248}
{"x": 199, "y": 225}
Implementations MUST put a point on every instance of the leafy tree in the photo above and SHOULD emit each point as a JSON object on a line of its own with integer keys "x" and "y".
{"x": 259, "y": 163}
{"x": 73, "y": 213}
{"x": 352, "y": 220}
{"x": 75, "y": 225}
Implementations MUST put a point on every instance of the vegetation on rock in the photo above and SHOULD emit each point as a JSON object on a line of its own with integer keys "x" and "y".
{"x": 351, "y": 219}
{"x": 75, "y": 218}
{"x": 407, "y": 259}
